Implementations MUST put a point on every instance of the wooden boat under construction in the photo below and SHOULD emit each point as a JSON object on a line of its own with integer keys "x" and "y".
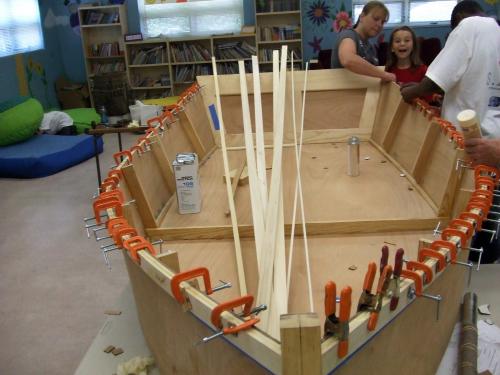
{"x": 411, "y": 177}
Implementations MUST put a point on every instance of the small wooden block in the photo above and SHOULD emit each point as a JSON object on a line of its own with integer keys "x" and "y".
{"x": 109, "y": 349}
{"x": 117, "y": 351}
{"x": 112, "y": 312}
{"x": 244, "y": 177}
{"x": 232, "y": 174}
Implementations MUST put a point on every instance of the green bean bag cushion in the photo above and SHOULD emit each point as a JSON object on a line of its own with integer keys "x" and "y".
{"x": 20, "y": 122}
{"x": 83, "y": 117}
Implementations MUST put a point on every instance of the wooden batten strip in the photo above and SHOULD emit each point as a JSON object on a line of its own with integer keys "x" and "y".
{"x": 423, "y": 153}
{"x": 255, "y": 191}
{"x": 392, "y": 130}
{"x": 192, "y": 135}
{"x": 408, "y": 176}
{"x": 265, "y": 287}
{"x": 234, "y": 184}
{"x": 313, "y": 229}
{"x": 232, "y": 209}
{"x": 137, "y": 192}
{"x": 259, "y": 134}
{"x": 298, "y": 192}
{"x": 164, "y": 164}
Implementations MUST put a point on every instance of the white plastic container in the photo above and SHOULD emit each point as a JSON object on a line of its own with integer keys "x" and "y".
{"x": 142, "y": 113}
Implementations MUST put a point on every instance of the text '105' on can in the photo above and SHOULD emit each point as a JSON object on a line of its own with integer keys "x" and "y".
{"x": 353, "y": 156}
{"x": 187, "y": 183}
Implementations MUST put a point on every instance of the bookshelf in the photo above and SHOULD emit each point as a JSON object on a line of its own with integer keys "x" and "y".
{"x": 278, "y": 22}
{"x": 154, "y": 74}
{"x": 148, "y": 68}
{"x": 102, "y": 29}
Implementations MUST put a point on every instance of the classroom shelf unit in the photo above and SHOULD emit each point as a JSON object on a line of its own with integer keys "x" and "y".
{"x": 163, "y": 67}
{"x": 102, "y": 29}
{"x": 278, "y": 22}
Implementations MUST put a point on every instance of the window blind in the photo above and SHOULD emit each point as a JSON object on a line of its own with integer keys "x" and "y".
{"x": 193, "y": 18}
{"x": 20, "y": 27}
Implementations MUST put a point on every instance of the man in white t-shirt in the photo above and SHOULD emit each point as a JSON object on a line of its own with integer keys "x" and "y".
{"x": 468, "y": 71}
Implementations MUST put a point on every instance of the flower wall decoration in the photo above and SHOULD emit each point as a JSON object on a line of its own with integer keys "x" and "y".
{"x": 342, "y": 21}
{"x": 318, "y": 12}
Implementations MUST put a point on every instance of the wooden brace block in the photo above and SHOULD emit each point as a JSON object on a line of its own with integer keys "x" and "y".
{"x": 117, "y": 351}
{"x": 109, "y": 349}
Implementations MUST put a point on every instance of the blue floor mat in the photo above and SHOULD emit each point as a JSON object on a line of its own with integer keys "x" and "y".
{"x": 43, "y": 155}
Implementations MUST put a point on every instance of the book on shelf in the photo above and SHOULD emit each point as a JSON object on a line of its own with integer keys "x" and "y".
{"x": 105, "y": 49}
{"x": 266, "y": 54}
{"x": 144, "y": 56}
{"x": 190, "y": 52}
{"x": 264, "y": 6}
{"x": 234, "y": 50}
{"x": 232, "y": 67}
{"x": 98, "y": 68}
{"x": 282, "y": 32}
{"x": 93, "y": 18}
{"x": 188, "y": 73}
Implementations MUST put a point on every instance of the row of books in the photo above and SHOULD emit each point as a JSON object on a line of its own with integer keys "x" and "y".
{"x": 188, "y": 73}
{"x": 105, "y": 49}
{"x": 266, "y": 54}
{"x": 148, "y": 81}
{"x": 234, "y": 50}
{"x": 98, "y": 68}
{"x": 277, "y": 5}
{"x": 93, "y": 17}
{"x": 186, "y": 52}
{"x": 233, "y": 68}
{"x": 155, "y": 55}
{"x": 284, "y": 32}
{"x": 154, "y": 94}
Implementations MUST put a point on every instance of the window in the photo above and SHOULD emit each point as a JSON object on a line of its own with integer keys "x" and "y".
{"x": 193, "y": 18}
{"x": 20, "y": 28}
{"x": 413, "y": 11}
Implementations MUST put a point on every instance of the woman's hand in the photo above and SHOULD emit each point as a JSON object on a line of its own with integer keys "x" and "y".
{"x": 388, "y": 77}
{"x": 483, "y": 151}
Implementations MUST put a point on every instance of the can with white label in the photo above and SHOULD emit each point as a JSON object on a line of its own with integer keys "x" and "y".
{"x": 187, "y": 183}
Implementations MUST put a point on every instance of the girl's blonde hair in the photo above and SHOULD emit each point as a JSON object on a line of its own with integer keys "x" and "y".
{"x": 414, "y": 55}
{"x": 371, "y": 5}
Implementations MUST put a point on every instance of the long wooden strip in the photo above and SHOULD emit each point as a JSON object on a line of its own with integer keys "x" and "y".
{"x": 259, "y": 133}
{"x": 265, "y": 287}
{"x": 255, "y": 192}
{"x": 234, "y": 220}
{"x": 313, "y": 229}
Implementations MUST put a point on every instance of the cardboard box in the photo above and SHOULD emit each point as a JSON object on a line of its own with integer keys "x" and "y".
{"x": 71, "y": 94}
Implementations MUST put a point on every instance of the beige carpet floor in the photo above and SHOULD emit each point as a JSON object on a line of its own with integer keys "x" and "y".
{"x": 54, "y": 285}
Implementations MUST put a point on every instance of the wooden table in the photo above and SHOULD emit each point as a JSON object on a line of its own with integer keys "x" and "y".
{"x": 100, "y": 129}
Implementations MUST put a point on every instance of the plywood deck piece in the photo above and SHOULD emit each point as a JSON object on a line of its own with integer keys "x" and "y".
{"x": 164, "y": 164}
{"x": 259, "y": 133}
{"x": 234, "y": 224}
{"x": 423, "y": 153}
{"x": 192, "y": 135}
{"x": 392, "y": 129}
{"x": 137, "y": 192}
{"x": 170, "y": 259}
{"x": 291, "y": 358}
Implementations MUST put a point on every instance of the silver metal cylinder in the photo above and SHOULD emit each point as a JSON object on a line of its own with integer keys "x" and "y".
{"x": 353, "y": 156}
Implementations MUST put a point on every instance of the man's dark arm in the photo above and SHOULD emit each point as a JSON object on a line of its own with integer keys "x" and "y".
{"x": 425, "y": 87}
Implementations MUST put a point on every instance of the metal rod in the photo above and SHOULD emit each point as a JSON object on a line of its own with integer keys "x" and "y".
{"x": 103, "y": 238}
{"x": 221, "y": 286}
{"x": 210, "y": 338}
{"x": 473, "y": 249}
{"x": 436, "y": 298}
{"x": 466, "y": 264}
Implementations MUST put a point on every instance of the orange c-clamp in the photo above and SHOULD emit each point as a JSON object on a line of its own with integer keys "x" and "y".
{"x": 338, "y": 327}
{"x": 137, "y": 243}
{"x": 418, "y": 290}
{"x": 189, "y": 275}
{"x": 246, "y": 302}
